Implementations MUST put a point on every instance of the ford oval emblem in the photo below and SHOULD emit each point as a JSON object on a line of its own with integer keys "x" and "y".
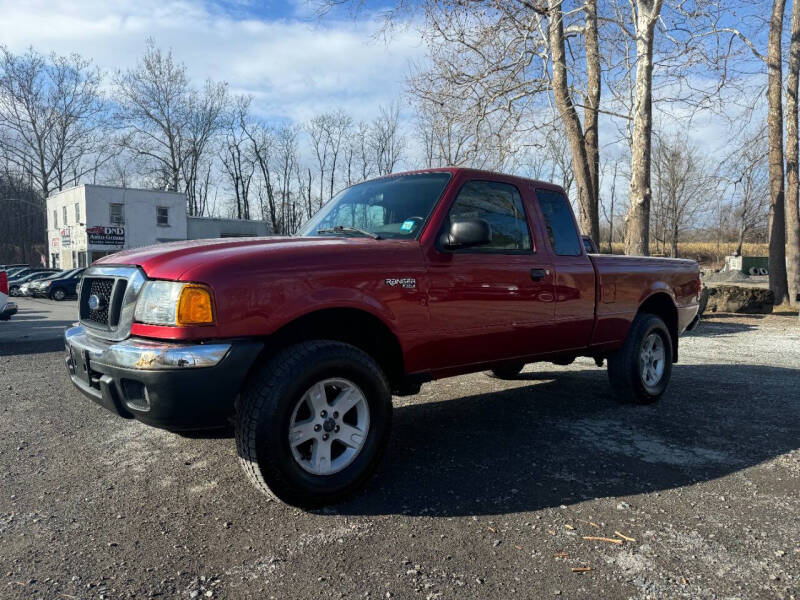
{"x": 95, "y": 302}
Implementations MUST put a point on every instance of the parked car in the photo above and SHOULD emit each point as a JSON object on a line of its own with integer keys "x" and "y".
{"x": 8, "y": 267}
{"x": 31, "y": 288}
{"x": 395, "y": 282}
{"x": 15, "y": 284}
{"x": 18, "y": 270}
{"x": 58, "y": 288}
{"x": 7, "y": 308}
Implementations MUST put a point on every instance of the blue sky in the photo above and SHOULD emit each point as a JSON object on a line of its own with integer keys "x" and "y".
{"x": 292, "y": 62}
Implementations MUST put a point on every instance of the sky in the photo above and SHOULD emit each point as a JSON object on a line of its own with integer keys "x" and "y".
{"x": 294, "y": 63}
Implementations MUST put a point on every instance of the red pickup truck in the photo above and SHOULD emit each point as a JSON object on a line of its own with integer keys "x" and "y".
{"x": 395, "y": 282}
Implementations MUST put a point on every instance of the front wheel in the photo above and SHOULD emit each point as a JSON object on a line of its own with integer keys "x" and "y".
{"x": 639, "y": 371}
{"x": 58, "y": 295}
{"x": 313, "y": 423}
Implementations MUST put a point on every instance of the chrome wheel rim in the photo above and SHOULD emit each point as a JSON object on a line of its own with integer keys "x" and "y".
{"x": 652, "y": 359}
{"x": 329, "y": 426}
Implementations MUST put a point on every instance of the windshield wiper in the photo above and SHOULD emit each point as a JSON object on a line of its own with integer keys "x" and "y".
{"x": 344, "y": 229}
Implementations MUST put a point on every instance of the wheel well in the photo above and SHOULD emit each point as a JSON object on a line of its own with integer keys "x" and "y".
{"x": 349, "y": 325}
{"x": 662, "y": 306}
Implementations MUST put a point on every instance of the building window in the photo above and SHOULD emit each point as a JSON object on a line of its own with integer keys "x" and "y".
{"x": 55, "y": 219}
{"x": 162, "y": 216}
{"x": 115, "y": 214}
{"x": 77, "y": 213}
{"x": 64, "y": 214}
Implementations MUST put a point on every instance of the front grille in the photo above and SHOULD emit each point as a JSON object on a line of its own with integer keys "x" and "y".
{"x": 116, "y": 289}
{"x": 101, "y": 288}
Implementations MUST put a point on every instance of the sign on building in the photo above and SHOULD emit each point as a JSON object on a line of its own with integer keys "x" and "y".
{"x": 106, "y": 236}
{"x": 66, "y": 240}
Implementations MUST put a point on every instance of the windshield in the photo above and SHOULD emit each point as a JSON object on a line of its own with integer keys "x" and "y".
{"x": 391, "y": 207}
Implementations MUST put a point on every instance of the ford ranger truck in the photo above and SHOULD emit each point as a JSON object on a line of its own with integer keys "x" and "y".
{"x": 302, "y": 340}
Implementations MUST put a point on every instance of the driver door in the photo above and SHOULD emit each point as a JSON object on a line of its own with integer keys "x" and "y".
{"x": 490, "y": 302}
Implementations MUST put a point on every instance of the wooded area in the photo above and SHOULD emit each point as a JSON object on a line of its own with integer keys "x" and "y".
{"x": 603, "y": 97}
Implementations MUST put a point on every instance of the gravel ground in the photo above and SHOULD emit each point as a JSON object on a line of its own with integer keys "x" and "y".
{"x": 488, "y": 490}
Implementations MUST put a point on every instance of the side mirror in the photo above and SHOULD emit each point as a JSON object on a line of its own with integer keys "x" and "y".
{"x": 467, "y": 233}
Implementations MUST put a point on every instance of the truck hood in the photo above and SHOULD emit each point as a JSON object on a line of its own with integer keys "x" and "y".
{"x": 201, "y": 260}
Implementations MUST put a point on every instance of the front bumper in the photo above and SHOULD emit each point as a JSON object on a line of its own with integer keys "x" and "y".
{"x": 169, "y": 385}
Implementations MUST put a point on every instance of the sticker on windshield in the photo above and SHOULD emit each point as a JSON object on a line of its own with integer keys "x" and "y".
{"x": 407, "y": 225}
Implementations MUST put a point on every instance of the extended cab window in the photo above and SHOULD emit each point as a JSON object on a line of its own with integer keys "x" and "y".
{"x": 564, "y": 238}
{"x": 500, "y": 205}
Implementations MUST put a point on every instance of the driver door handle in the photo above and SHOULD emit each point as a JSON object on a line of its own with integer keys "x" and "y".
{"x": 539, "y": 274}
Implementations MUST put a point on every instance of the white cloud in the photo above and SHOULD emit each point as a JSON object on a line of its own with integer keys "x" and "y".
{"x": 294, "y": 68}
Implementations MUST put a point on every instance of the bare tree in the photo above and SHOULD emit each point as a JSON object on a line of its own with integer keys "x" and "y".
{"x": 608, "y": 213}
{"x": 684, "y": 187}
{"x": 746, "y": 171}
{"x": 777, "y": 220}
{"x": 154, "y": 112}
{"x": 166, "y": 122}
{"x": 237, "y": 159}
{"x": 52, "y": 117}
{"x": 638, "y": 220}
{"x": 792, "y": 164}
{"x": 286, "y": 163}
{"x": 585, "y": 174}
{"x": 318, "y": 129}
{"x": 386, "y": 142}
{"x": 205, "y": 114}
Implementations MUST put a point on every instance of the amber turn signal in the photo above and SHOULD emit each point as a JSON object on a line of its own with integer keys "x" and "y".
{"x": 195, "y": 306}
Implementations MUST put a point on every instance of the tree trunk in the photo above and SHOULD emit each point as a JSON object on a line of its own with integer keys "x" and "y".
{"x": 792, "y": 184}
{"x": 674, "y": 244}
{"x": 637, "y": 231}
{"x": 740, "y": 242}
{"x": 777, "y": 220}
{"x": 572, "y": 124}
{"x": 591, "y": 115}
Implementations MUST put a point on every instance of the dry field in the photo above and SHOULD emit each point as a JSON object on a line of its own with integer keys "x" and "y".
{"x": 702, "y": 252}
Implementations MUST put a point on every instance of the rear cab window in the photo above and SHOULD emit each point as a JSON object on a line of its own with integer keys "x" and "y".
{"x": 560, "y": 226}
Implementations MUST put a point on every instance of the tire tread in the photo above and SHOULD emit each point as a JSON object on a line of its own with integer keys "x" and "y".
{"x": 258, "y": 402}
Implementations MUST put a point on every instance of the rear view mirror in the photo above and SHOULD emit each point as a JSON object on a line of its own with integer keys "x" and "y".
{"x": 467, "y": 233}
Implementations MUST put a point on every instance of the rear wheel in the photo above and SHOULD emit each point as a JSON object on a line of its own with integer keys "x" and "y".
{"x": 313, "y": 423}
{"x": 509, "y": 371}
{"x": 640, "y": 371}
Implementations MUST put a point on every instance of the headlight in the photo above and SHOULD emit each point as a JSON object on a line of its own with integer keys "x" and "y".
{"x": 174, "y": 303}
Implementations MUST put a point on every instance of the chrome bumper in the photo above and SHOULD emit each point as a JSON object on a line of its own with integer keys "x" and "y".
{"x": 142, "y": 354}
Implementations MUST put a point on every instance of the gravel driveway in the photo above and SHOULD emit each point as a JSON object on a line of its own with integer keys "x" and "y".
{"x": 488, "y": 490}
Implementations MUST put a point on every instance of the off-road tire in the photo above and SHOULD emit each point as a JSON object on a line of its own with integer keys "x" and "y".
{"x": 264, "y": 415}
{"x": 624, "y": 370}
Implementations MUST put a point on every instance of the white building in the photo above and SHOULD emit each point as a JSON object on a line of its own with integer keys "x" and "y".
{"x": 87, "y": 222}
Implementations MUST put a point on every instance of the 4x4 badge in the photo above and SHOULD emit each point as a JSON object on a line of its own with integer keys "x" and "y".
{"x": 405, "y": 282}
